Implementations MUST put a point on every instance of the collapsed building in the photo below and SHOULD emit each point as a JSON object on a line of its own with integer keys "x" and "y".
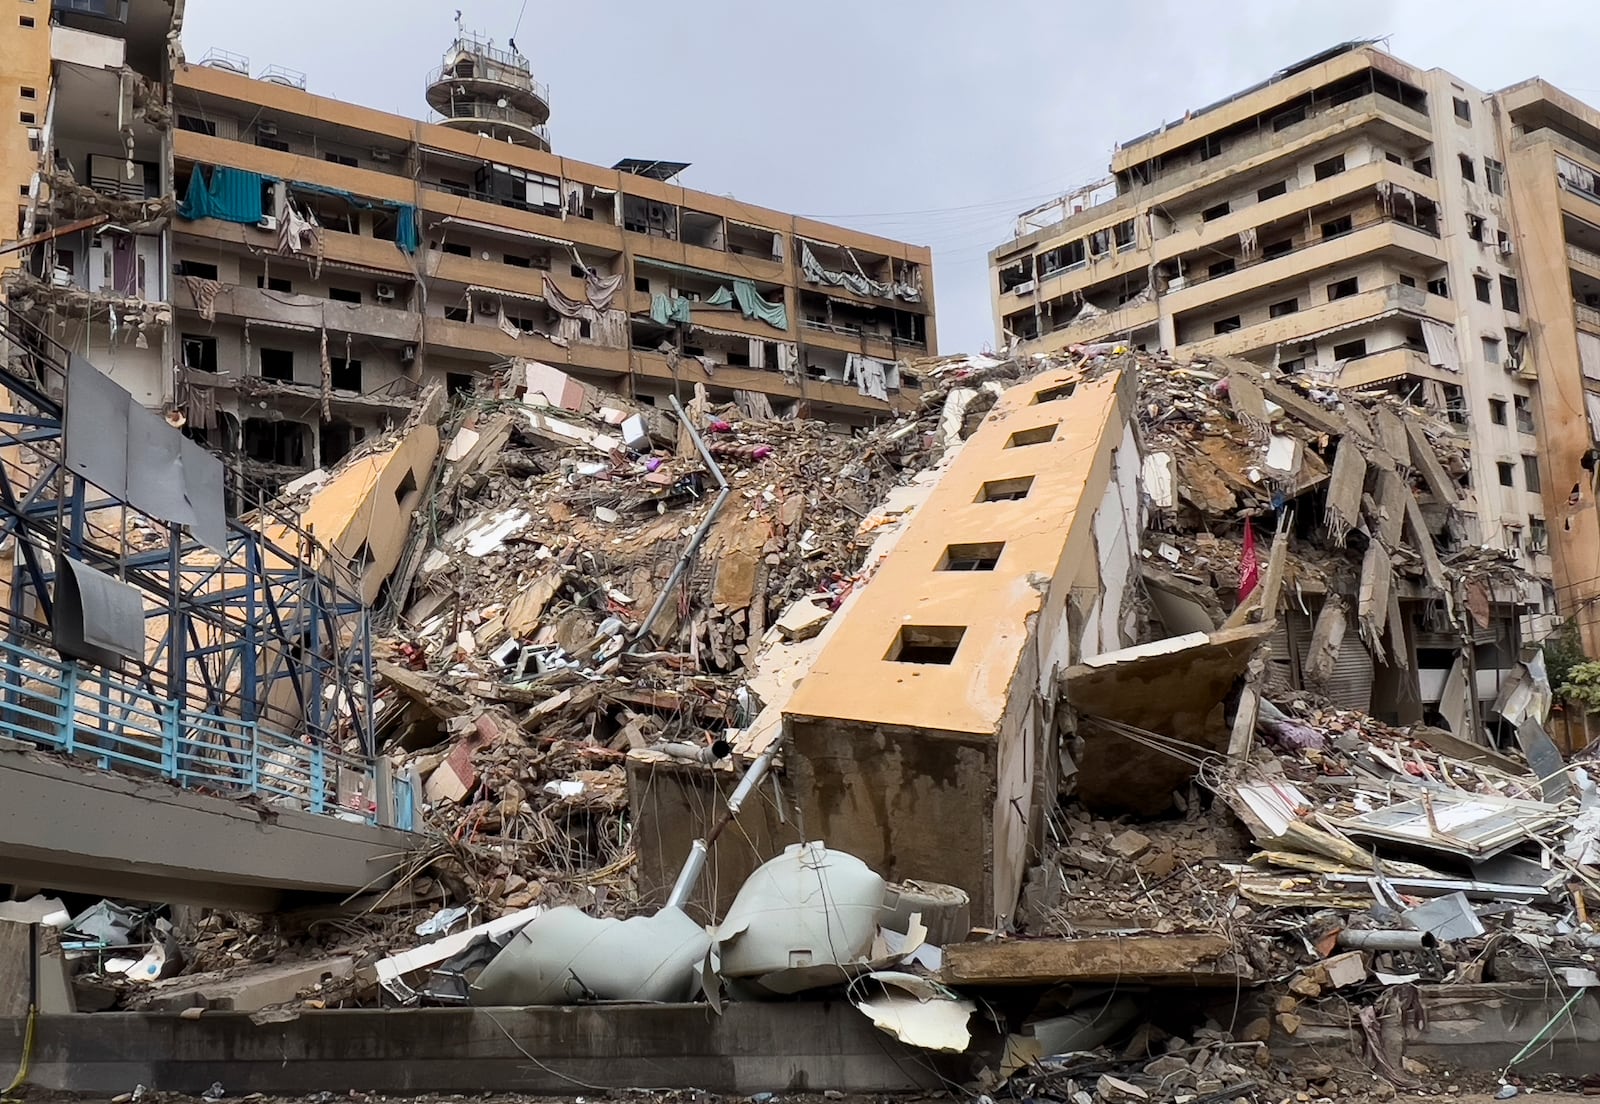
{"x": 1096, "y": 677}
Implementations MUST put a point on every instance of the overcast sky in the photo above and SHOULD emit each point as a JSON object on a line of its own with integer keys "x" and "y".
{"x": 931, "y": 121}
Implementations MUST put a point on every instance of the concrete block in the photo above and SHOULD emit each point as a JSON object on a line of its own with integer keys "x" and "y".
{"x": 245, "y": 992}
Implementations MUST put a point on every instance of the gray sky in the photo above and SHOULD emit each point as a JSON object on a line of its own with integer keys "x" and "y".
{"x": 931, "y": 121}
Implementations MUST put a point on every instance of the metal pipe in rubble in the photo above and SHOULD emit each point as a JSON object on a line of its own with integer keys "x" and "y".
{"x": 697, "y": 753}
{"x": 699, "y": 534}
{"x": 1387, "y": 940}
{"x": 695, "y": 864}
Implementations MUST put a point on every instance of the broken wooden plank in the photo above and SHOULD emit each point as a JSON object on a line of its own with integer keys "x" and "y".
{"x": 1153, "y": 958}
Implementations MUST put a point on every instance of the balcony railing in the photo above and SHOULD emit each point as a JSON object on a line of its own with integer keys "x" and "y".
{"x": 1587, "y": 315}
{"x": 106, "y": 718}
{"x": 485, "y": 112}
{"x": 1365, "y": 224}
{"x": 1579, "y": 255}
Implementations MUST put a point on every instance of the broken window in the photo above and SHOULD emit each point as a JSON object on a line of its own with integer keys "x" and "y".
{"x": 200, "y": 352}
{"x": 1514, "y": 341}
{"x": 1289, "y": 118}
{"x": 1494, "y": 176}
{"x": 1423, "y": 166}
{"x": 1333, "y": 166}
{"x": 1483, "y": 288}
{"x": 926, "y": 644}
{"x": 275, "y": 283}
{"x": 1507, "y": 472}
{"x": 1351, "y": 350}
{"x": 458, "y": 383}
{"x": 1039, "y": 435}
{"x": 1125, "y": 235}
{"x": 277, "y": 364}
{"x": 339, "y": 159}
{"x": 1100, "y": 242}
{"x": 198, "y": 269}
{"x": 1342, "y": 289}
{"x": 1215, "y": 212}
{"x": 1538, "y": 535}
{"x": 1290, "y": 367}
{"x": 1277, "y": 249}
{"x": 1491, "y": 350}
{"x": 1441, "y": 286}
{"x": 1225, "y": 325}
{"x": 1062, "y": 257}
{"x": 1524, "y": 408}
{"x": 334, "y": 441}
{"x": 1475, "y": 227}
{"x": 1051, "y": 394}
{"x": 1510, "y": 296}
{"x": 456, "y": 249}
{"x": 1287, "y": 306}
{"x": 1497, "y": 411}
{"x": 1463, "y": 109}
{"x": 971, "y": 557}
{"x": 196, "y": 125}
{"x": 344, "y": 375}
{"x": 344, "y": 295}
{"x": 1005, "y": 490}
{"x": 1334, "y": 227}
{"x": 1221, "y": 268}
{"x": 1468, "y": 172}
{"x": 1210, "y": 146}
{"x": 1271, "y": 191}
{"x": 280, "y": 442}
{"x": 457, "y": 314}
{"x": 1407, "y": 280}
{"x": 1530, "y": 472}
{"x": 642, "y": 283}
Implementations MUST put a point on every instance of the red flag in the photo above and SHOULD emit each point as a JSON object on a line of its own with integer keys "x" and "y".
{"x": 1249, "y": 566}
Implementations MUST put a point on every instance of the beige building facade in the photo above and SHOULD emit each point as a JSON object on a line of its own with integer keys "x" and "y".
{"x": 1362, "y": 223}
{"x": 283, "y": 272}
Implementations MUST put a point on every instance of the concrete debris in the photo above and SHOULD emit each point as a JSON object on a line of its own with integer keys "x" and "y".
{"x": 1257, "y": 791}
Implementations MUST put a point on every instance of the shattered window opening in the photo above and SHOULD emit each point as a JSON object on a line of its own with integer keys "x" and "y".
{"x": 1507, "y": 473}
{"x": 1006, "y": 490}
{"x": 929, "y": 644}
{"x": 971, "y": 557}
{"x": 1039, "y": 435}
{"x": 1051, "y": 394}
{"x": 277, "y": 364}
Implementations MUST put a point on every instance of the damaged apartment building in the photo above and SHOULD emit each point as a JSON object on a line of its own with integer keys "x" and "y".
{"x": 1365, "y": 224}
{"x": 282, "y": 273}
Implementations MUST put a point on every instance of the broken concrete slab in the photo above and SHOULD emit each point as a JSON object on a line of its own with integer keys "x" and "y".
{"x": 1156, "y": 959}
{"x": 1177, "y": 692}
{"x": 249, "y": 991}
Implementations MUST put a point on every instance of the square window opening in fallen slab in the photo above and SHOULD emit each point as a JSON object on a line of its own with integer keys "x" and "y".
{"x": 1038, "y": 435}
{"x": 931, "y": 644}
{"x": 1006, "y": 490}
{"x": 971, "y": 557}
{"x": 1051, "y": 394}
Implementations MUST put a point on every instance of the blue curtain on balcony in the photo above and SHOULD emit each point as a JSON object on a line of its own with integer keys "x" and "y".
{"x": 406, "y": 234}
{"x": 669, "y": 309}
{"x": 219, "y": 192}
{"x": 753, "y": 306}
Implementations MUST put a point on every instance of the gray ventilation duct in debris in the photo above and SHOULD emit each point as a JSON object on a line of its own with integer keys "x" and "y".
{"x": 565, "y": 956}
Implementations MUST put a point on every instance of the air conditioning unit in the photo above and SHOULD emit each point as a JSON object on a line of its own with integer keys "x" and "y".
{"x": 1505, "y": 248}
{"x": 269, "y": 223}
{"x": 270, "y": 130}
{"x": 385, "y": 293}
{"x": 1024, "y": 288}
{"x": 382, "y": 156}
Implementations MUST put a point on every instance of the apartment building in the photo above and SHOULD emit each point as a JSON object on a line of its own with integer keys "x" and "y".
{"x": 282, "y": 272}
{"x": 1366, "y": 224}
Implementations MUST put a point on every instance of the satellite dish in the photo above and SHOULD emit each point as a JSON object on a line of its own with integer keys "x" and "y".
{"x": 501, "y": 102}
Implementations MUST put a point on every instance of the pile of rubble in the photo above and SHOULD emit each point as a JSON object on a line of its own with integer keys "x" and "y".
{"x": 589, "y": 579}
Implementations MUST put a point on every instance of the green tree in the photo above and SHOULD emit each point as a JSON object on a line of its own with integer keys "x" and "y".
{"x": 1582, "y": 686}
{"x": 1563, "y": 650}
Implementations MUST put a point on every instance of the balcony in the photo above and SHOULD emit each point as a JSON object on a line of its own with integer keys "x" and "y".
{"x": 1125, "y": 321}
{"x": 1588, "y": 317}
{"x": 503, "y": 124}
{"x": 310, "y": 311}
{"x": 1375, "y": 235}
{"x": 1583, "y": 258}
{"x": 1306, "y": 325}
{"x": 1387, "y": 365}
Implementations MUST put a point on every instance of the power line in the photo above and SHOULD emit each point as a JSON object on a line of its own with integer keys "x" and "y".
{"x": 520, "y": 14}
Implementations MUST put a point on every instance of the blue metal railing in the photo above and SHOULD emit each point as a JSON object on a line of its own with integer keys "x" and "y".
{"x": 105, "y": 717}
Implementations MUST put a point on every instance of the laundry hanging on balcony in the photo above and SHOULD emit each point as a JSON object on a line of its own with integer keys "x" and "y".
{"x": 219, "y": 192}
{"x": 407, "y": 234}
{"x": 750, "y": 303}
{"x": 1441, "y": 342}
{"x": 854, "y": 281}
{"x": 670, "y": 310}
